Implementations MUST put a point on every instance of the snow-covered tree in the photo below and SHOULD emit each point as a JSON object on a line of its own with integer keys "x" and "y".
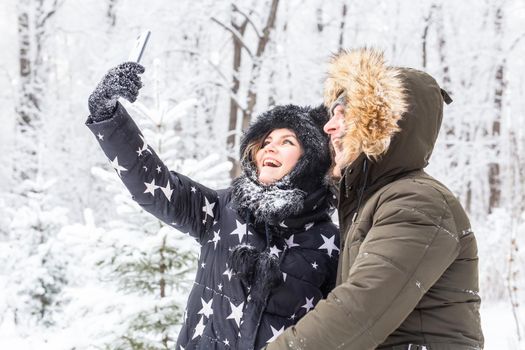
{"x": 35, "y": 257}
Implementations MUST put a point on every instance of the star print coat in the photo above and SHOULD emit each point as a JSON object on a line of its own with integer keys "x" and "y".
{"x": 220, "y": 313}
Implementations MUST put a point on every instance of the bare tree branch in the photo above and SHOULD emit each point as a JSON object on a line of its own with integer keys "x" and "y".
{"x": 50, "y": 13}
{"x": 235, "y": 33}
{"x": 247, "y": 17}
{"x": 256, "y": 66}
{"x": 516, "y": 42}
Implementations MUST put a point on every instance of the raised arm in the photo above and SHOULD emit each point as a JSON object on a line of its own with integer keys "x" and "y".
{"x": 173, "y": 198}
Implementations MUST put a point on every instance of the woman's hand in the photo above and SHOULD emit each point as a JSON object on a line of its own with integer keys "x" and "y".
{"x": 120, "y": 81}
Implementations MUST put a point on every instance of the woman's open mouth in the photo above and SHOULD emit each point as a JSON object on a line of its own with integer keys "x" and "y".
{"x": 271, "y": 163}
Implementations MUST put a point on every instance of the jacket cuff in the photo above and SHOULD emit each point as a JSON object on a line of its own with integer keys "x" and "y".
{"x": 119, "y": 117}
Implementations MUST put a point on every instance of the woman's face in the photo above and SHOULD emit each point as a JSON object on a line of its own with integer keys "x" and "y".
{"x": 278, "y": 156}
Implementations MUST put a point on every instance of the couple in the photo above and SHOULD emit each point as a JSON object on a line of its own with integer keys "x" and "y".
{"x": 273, "y": 271}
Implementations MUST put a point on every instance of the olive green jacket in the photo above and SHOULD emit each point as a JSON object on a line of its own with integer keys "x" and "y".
{"x": 408, "y": 268}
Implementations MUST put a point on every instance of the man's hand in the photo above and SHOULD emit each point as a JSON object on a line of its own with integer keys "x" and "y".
{"x": 121, "y": 81}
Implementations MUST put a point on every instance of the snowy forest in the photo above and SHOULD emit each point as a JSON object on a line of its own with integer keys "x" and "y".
{"x": 83, "y": 267}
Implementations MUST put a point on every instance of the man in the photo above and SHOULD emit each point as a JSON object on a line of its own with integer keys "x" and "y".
{"x": 408, "y": 274}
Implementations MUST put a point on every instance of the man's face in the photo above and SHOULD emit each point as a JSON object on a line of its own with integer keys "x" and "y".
{"x": 335, "y": 128}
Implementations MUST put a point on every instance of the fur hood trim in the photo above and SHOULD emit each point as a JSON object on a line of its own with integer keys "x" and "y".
{"x": 375, "y": 100}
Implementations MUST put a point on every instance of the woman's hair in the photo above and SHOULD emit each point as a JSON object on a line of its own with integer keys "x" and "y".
{"x": 252, "y": 148}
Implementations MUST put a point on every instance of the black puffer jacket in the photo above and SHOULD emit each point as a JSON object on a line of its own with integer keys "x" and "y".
{"x": 221, "y": 314}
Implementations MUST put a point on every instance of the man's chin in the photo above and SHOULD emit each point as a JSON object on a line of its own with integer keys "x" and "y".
{"x": 336, "y": 172}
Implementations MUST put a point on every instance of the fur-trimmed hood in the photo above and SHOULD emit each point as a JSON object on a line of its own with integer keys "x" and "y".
{"x": 392, "y": 114}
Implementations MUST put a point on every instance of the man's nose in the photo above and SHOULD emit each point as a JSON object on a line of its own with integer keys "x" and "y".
{"x": 331, "y": 127}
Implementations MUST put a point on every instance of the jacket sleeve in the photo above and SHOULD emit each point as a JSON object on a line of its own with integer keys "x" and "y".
{"x": 411, "y": 243}
{"x": 173, "y": 198}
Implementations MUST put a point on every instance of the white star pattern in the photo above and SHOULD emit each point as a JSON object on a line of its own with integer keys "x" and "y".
{"x": 117, "y": 166}
{"x": 275, "y": 251}
{"x": 240, "y": 230}
{"x": 228, "y": 273}
{"x": 282, "y": 224}
{"x": 236, "y": 313}
{"x": 308, "y": 226}
{"x": 275, "y": 333}
{"x": 290, "y": 243}
{"x": 208, "y": 208}
{"x": 151, "y": 187}
{"x": 309, "y": 304}
{"x": 167, "y": 190}
{"x": 203, "y": 265}
{"x": 284, "y": 276}
{"x": 329, "y": 244}
{"x": 216, "y": 239}
{"x": 199, "y": 328}
{"x": 158, "y": 169}
{"x": 293, "y": 317}
{"x": 207, "y": 309}
{"x": 314, "y": 265}
{"x": 100, "y": 137}
{"x": 144, "y": 146}
{"x": 193, "y": 189}
{"x": 219, "y": 286}
{"x": 226, "y": 342}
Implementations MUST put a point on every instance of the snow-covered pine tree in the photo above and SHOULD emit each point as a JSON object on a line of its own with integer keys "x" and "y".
{"x": 148, "y": 258}
{"x": 36, "y": 259}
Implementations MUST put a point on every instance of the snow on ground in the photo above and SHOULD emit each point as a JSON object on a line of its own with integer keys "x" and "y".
{"x": 499, "y": 327}
{"x": 497, "y": 320}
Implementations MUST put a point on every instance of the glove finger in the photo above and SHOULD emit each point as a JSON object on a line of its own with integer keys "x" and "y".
{"x": 115, "y": 84}
{"x": 131, "y": 67}
{"x": 129, "y": 92}
{"x": 136, "y": 80}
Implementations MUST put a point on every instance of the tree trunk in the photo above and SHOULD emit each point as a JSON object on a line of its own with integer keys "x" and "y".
{"x": 257, "y": 62}
{"x": 494, "y": 167}
{"x": 238, "y": 31}
{"x": 440, "y": 31}
{"x": 342, "y": 26}
{"x": 234, "y": 107}
{"x": 112, "y": 13}
{"x": 424, "y": 38}
{"x": 32, "y": 17}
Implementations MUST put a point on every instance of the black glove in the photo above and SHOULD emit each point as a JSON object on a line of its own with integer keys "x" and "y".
{"x": 121, "y": 81}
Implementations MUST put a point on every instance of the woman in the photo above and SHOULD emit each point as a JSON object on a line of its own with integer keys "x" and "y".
{"x": 268, "y": 248}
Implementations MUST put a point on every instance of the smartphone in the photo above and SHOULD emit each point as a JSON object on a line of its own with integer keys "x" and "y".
{"x": 140, "y": 45}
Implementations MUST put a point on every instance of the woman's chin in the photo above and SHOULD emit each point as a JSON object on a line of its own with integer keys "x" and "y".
{"x": 267, "y": 180}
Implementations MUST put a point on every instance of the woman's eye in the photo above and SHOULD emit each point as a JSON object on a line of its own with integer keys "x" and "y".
{"x": 265, "y": 143}
{"x": 289, "y": 142}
